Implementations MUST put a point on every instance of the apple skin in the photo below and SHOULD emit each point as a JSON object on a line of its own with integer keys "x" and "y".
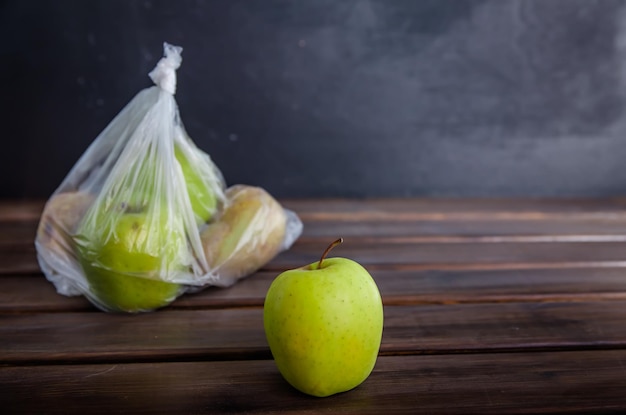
{"x": 118, "y": 292}
{"x": 122, "y": 266}
{"x": 202, "y": 198}
{"x": 324, "y": 326}
{"x": 143, "y": 191}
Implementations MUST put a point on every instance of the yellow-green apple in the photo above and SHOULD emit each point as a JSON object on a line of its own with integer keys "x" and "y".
{"x": 126, "y": 258}
{"x": 323, "y": 323}
{"x": 200, "y": 189}
{"x": 139, "y": 188}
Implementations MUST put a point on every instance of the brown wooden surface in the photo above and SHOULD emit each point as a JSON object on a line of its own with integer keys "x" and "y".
{"x": 491, "y": 306}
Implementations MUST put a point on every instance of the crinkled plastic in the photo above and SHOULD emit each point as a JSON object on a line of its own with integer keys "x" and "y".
{"x": 145, "y": 216}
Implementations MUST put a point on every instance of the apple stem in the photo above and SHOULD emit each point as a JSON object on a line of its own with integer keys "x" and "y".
{"x": 328, "y": 249}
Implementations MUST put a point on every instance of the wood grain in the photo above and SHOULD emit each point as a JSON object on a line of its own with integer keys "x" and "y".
{"x": 238, "y": 333}
{"x": 29, "y": 210}
{"x": 22, "y": 259}
{"x": 558, "y": 382}
{"x": 33, "y": 293}
{"x": 481, "y": 206}
{"x": 491, "y": 306}
{"x": 432, "y": 234}
{"x": 411, "y": 217}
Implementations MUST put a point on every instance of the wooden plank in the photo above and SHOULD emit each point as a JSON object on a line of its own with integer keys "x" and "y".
{"x": 404, "y": 217}
{"x": 238, "y": 333}
{"x": 21, "y": 259}
{"x": 23, "y": 233}
{"x": 402, "y": 287}
{"x": 29, "y": 210}
{"x": 22, "y": 293}
{"x": 557, "y": 382}
{"x": 17, "y": 232}
{"x": 18, "y": 259}
{"x": 470, "y": 231}
{"x": 21, "y": 210}
{"x": 459, "y": 255}
{"x": 442, "y": 205}
{"x": 590, "y": 226}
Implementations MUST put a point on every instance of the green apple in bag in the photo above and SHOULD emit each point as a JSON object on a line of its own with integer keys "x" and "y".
{"x": 132, "y": 242}
{"x": 197, "y": 173}
{"x": 139, "y": 244}
{"x": 124, "y": 262}
{"x": 201, "y": 196}
{"x": 134, "y": 239}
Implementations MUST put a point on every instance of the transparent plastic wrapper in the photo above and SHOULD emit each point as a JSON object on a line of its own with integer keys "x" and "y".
{"x": 145, "y": 216}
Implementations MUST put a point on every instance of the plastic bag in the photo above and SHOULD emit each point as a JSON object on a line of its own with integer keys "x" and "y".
{"x": 145, "y": 216}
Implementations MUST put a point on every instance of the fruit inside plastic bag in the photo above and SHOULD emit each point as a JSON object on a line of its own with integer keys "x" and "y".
{"x": 145, "y": 216}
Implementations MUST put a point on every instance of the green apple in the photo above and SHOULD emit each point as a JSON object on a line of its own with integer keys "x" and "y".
{"x": 138, "y": 187}
{"x": 201, "y": 195}
{"x": 324, "y": 324}
{"x": 133, "y": 237}
{"x": 125, "y": 257}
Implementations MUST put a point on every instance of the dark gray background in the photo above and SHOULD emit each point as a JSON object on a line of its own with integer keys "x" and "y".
{"x": 332, "y": 97}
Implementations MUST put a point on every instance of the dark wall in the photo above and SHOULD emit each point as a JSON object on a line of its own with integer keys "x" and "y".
{"x": 332, "y": 98}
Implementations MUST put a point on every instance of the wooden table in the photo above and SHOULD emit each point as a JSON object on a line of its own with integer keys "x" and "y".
{"x": 491, "y": 306}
